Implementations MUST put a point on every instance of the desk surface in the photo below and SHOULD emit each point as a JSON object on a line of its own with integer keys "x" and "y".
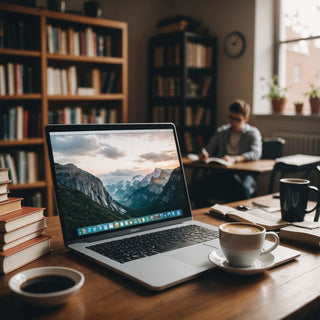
{"x": 291, "y": 290}
{"x": 253, "y": 167}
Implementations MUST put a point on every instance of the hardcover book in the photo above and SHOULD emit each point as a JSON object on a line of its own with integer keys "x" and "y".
{"x": 24, "y": 253}
{"x": 4, "y": 175}
{"x": 10, "y": 205}
{"x": 19, "y": 218}
{"x": 6, "y": 237}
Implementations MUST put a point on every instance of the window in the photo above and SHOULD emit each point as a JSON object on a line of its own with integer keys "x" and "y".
{"x": 299, "y": 48}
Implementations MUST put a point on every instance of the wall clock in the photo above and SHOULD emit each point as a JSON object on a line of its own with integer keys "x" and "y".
{"x": 234, "y": 44}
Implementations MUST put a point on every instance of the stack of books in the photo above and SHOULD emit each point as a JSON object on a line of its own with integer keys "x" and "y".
{"x": 21, "y": 230}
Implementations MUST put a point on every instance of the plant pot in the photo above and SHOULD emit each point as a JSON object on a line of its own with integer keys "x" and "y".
{"x": 298, "y": 107}
{"x": 278, "y": 105}
{"x": 314, "y": 105}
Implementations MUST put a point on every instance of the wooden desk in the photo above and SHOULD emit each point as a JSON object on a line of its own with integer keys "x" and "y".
{"x": 289, "y": 291}
{"x": 250, "y": 167}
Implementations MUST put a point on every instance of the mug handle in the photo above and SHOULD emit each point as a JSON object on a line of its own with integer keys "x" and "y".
{"x": 318, "y": 202}
{"x": 276, "y": 243}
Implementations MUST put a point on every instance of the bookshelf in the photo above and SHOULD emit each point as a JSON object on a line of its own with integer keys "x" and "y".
{"x": 182, "y": 76}
{"x": 55, "y": 68}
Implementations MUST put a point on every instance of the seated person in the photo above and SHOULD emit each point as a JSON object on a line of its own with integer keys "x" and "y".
{"x": 234, "y": 142}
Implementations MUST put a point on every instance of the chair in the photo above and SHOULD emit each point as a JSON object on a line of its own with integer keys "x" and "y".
{"x": 272, "y": 148}
{"x": 306, "y": 167}
{"x": 316, "y": 217}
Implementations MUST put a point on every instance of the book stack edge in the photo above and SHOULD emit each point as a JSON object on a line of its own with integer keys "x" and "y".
{"x": 22, "y": 237}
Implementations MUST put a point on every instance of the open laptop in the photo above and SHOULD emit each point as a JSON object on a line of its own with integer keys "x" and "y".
{"x": 123, "y": 202}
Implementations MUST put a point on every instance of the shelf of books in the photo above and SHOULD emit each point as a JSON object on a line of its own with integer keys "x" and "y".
{"x": 55, "y": 68}
{"x": 182, "y": 77}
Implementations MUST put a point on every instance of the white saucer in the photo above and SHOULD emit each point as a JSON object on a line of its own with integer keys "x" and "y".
{"x": 262, "y": 264}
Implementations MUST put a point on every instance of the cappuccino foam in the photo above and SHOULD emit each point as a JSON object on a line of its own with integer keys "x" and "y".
{"x": 241, "y": 229}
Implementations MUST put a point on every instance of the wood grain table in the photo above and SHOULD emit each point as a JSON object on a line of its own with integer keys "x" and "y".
{"x": 288, "y": 291}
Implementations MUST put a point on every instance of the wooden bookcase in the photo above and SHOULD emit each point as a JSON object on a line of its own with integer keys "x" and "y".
{"x": 56, "y": 68}
{"x": 182, "y": 76}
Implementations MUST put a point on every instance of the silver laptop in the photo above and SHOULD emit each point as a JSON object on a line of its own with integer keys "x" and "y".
{"x": 123, "y": 202}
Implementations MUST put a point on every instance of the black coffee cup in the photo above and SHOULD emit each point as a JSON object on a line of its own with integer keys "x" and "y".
{"x": 294, "y": 195}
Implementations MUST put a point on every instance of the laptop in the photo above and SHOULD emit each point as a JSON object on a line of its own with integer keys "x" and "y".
{"x": 123, "y": 202}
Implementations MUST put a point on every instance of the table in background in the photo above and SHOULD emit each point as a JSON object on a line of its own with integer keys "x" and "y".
{"x": 250, "y": 167}
{"x": 291, "y": 290}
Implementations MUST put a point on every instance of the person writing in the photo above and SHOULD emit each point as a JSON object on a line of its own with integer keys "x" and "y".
{"x": 234, "y": 142}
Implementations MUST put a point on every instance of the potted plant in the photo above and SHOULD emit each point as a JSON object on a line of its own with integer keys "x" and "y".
{"x": 314, "y": 98}
{"x": 276, "y": 94}
{"x": 298, "y": 105}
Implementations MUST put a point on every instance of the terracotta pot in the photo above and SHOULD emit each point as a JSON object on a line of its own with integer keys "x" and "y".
{"x": 314, "y": 105}
{"x": 298, "y": 107}
{"x": 278, "y": 105}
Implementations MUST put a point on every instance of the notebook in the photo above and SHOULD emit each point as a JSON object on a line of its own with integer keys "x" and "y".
{"x": 122, "y": 200}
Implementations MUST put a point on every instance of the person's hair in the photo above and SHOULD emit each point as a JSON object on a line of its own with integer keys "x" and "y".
{"x": 241, "y": 107}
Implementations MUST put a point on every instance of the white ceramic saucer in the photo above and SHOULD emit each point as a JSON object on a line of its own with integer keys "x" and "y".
{"x": 262, "y": 264}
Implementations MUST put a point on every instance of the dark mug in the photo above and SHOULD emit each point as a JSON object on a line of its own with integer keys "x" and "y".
{"x": 294, "y": 195}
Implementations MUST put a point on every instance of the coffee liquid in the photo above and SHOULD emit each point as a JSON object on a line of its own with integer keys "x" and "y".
{"x": 47, "y": 284}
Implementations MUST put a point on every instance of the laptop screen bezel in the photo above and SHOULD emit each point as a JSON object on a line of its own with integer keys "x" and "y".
{"x": 109, "y": 127}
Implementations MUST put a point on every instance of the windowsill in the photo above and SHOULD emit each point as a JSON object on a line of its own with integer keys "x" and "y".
{"x": 288, "y": 115}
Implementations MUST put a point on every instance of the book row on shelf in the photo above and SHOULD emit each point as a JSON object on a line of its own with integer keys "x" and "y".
{"x": 166, "y": 86}
{"x": 19, "y": 122}
{"x": 77, "y": 115}
{"x": 196, "y": 116}
{"x": 22, "y": 228}
{"x": 193, "y": 143}
{"x": 87, "y": 42}
{"x": 197, "y": 55}
{"x": 69, "y": 81}
{"x": 16, "y": 33}
{"x": 23, "y": 166}
{"x": 166, "y": 55}
{"x": 16, "y": 78}
{"x": 166, "y": 114}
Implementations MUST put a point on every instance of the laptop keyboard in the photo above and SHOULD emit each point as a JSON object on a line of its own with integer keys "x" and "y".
{"x": 137, "y": 247}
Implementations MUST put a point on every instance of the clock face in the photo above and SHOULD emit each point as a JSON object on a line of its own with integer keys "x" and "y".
{"x": 234, "y": 44}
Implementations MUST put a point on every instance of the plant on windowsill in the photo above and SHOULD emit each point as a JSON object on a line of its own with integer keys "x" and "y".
{"x": 298, "y": 105}
{"x": 276, "y": 94}
{"x": 314, "y": 98}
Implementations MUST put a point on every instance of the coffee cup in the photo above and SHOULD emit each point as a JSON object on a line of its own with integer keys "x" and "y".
{"x": 242, "y": 243}
{"x": 294, "y": 195}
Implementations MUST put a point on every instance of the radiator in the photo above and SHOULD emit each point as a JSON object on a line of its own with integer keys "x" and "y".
{"x": 299, "y": 143}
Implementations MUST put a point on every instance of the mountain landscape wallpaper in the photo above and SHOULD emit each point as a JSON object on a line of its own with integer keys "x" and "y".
{"x": 104, "y": 177}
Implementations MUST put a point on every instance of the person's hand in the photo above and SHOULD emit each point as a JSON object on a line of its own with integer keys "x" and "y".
{"x": 230, "y": 159}
{"x": 203, "y": 155}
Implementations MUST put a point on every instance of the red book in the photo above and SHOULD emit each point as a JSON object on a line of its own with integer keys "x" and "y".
{"x": 25, "y": 123}
{"x": 82, "y": 43}
{"x": 19, "y": 218}
{"x": 24, "y": 253}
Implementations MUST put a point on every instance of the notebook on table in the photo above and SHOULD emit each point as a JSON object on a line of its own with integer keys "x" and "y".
{"x": 123, "y": 202}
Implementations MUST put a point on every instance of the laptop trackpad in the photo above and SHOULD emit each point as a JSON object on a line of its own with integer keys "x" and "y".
{"x": 196, "y": 256}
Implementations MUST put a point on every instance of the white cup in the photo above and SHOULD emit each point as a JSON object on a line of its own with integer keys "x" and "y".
{"x": 242, "y": 243}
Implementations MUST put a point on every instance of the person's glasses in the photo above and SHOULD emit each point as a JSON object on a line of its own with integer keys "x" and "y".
{"x": 237, "y": 119}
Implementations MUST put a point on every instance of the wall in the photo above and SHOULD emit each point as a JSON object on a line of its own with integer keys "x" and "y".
{"x": 235, "y": 76}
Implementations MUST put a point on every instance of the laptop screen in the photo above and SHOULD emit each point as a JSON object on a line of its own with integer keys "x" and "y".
{"x": 116, "y": 177}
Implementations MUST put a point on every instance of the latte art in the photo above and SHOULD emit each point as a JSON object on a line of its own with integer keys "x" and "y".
{"x": 241, "y": 229}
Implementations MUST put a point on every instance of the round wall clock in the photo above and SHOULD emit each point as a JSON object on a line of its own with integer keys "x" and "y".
{"x": 234, "y": 44}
